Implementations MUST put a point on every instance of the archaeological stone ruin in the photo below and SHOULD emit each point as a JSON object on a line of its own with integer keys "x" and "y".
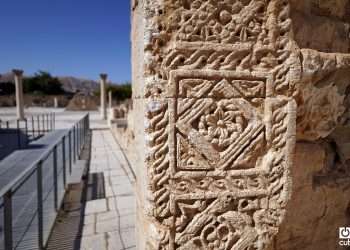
{"x": 240, "y": 129}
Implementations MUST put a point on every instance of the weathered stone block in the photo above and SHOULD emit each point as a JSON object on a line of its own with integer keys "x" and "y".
{"x": 223, "y": 90}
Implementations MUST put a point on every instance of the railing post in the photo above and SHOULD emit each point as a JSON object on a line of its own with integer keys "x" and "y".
{"x": 88, "y": 121}
{"x": 33, "y": 129}
{"x": 78, "y": 144}
{"x": 64, "y": 160}
{"x": 85, "y": 129}
{"x": 74, "y": 145}
{"x": 82, "y": 133}
{"x": 77, "y": 141}
{"x": 81, "y": 136}
{"x": 43, "y": 120}
{"x": 51, "y": 120}
{"x": 55, "y": 177}
{"x": 39, "y": 178}
{"x": 54, "y": 120}
{"x": 70, "y": 152}
{"x": 7, "y": 124}
{"x": 8, "y": 220}
{"x": 47, "y": 122}
{"x": 18, "y": 135}
{"x": 79, "y": 125}
{"x": 38, "y": 121}
{"x": 26, "y": 127}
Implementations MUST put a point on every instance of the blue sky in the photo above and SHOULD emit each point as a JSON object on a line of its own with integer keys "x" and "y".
{"x": 79, "y": 38}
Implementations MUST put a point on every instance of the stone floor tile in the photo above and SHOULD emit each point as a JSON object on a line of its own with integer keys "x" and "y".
{"x": 126, "y": 202}
{"x": 96, "y": 206}
{"x": 106, "y": 216}
{"x": 94, "y": 242}
{"x": 88, "y": 230}
{"x": 127, "y": 222}
{"x": 128, "y": 238}
{"x": 123, "y": 190}
{"x": 89, "y": 219}
{"x": 108, "y": 226}
{"x": 114, "y": 241}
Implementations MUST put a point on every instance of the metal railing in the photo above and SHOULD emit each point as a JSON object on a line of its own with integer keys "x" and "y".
{"x": 30, "y": 202}
{"x": 29, "y": 129}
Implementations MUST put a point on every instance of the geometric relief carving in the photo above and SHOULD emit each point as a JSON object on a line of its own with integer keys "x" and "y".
{"x": 230, "y": 167}
{"x": 222, "y": 132}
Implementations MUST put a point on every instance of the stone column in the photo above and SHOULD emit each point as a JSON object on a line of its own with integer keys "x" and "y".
{"x": 19, "y": 93}
{"x": 110, "y": 99}
{"x": 217, "y": 87}
{"x": 103, "y": 86}
{"x": 55, "y": 102}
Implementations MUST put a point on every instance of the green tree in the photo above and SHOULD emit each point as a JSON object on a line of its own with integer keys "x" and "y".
{"x": 42, "y": 82}
{"x": 7, "y": 88}
{"x": 120, "y": 92}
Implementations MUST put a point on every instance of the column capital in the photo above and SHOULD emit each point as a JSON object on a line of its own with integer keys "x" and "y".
{"x": 103, "y": 76}
{"x": 17, "y": 72}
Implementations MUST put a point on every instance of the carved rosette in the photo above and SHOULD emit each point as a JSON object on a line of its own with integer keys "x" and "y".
{"x": 221, "y": 77}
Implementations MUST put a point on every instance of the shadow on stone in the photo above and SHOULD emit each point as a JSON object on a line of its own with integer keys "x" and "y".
{"x": 68, "y": 229}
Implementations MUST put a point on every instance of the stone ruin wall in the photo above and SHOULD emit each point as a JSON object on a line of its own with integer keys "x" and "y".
{"x": 241, "y": 123}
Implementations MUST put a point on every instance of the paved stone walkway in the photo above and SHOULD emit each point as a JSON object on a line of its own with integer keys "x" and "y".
{"x": 110, "y": 222}
{"x": 106, "y": 221}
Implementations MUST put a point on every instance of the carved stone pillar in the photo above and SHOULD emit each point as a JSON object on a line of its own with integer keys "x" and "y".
{"x": 219, "y": 83}
{"x": 103, "y": 85}
{"x": 19, "y": 93}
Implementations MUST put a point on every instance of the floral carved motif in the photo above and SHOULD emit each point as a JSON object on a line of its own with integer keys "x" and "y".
{"x": 222, "y": 125}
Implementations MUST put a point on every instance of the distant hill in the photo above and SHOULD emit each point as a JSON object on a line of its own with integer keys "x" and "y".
{"x": 73, "y": 84}
{"x": 70, "y": 84}
{"x": 7, "y": 77}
